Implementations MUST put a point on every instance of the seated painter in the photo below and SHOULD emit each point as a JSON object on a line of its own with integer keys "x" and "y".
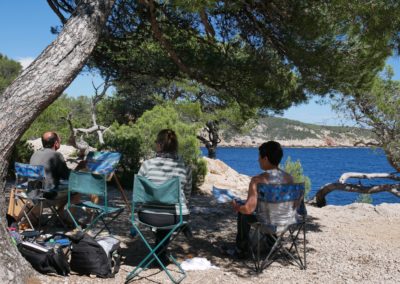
{"x": 270, "y": 155}
{"x": 55, "y": 169}
{"x": 164, "y": 166}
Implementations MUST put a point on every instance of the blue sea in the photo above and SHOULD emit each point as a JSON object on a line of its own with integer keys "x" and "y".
{"x": 321, "y": 165}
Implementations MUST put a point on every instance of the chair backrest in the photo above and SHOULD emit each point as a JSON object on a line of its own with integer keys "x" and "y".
{"x": 147, "y": 192}
{"x": 102, "y": 162}
{"x": 87, "y": 183}
{"x": 29, "y": 171}
{"x": 278, "y": 205}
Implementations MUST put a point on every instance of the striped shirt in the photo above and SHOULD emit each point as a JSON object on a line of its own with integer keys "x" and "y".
{"x": 161, "y": 169}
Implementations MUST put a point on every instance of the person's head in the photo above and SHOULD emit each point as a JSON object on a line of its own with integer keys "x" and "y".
{"x": 270, "y": 155}
{"x": 51, "y": 140}
{"x": 167, "y": 142}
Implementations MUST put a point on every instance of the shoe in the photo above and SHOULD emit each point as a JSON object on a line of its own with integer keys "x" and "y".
{"x": 187, "y": 231}
{"x": 164, "y": 259}
{"x": 234, "y": 252}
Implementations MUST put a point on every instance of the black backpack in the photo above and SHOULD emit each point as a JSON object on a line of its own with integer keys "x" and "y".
{"x": 89, "y": 257}
{"x": 45, "y": 260}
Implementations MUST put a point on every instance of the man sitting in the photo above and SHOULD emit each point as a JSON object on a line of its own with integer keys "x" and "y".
{"x": 270, "y": 155}
{"x": 55, "y": 169}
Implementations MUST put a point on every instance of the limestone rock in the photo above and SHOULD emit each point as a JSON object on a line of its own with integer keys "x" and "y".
{"x": 222, "y": 176}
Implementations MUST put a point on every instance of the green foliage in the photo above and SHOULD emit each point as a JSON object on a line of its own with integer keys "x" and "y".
{"x": 9, "y": 70}
{"x": 378, "y": 110}
{"x": 296, "y": 171}
{"x": 364, "y": 198}
{"x": 199, "y": 172}
{"x": 137, "y": 141}
{"x": 53, "y": 118}
{"x": 124, "y": 139}
{"x": 22, "y": 153}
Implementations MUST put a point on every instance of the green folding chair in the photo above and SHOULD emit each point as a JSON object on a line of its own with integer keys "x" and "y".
{"x": 147, "y": 195}
{"x": 87, "y": 183}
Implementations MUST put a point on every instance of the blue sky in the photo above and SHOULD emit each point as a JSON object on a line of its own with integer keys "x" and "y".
{"x": 25, "y": 32}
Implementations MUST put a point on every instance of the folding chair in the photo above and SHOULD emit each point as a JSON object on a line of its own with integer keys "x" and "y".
{"x": 87, "y": 183}
{"x": 29, "y": 191}
{"x": 105, "y": 163}
{"x": 281, "y": 216}
{"x": 147, "y": 195}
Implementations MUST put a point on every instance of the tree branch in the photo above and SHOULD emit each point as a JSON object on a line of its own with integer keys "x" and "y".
{"x": 57, "y": 11}
{"x": 326, "y": 189}
{"x": 346, "y": 176}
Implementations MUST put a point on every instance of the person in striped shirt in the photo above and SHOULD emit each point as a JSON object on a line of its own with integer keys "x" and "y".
{"x": 164, "y": 166}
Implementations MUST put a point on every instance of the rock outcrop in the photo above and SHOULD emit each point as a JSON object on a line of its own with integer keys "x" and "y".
{"x": 222, "y": 176}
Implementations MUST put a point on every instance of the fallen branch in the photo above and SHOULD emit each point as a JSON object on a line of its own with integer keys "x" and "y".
{"x": 327, "y": 188}
{"x": 346, "y": 176}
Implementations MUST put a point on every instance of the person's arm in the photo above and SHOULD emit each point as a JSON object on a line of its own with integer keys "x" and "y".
{"x": 251, "y": 203}
{"x": 143, "y": 170}
{"x": 62, "y": 168}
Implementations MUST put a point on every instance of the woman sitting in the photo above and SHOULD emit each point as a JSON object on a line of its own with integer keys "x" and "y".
{"x": 166, "y": 165}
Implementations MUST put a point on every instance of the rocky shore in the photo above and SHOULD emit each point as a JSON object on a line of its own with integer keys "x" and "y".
{"x": 357, "y": 243}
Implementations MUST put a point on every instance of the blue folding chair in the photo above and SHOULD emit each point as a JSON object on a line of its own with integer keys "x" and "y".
{"x": 147, "y": 196}
{"x": 87, "y": 183}
{"x": 29, "y": 184}
{"x": 281, "y": 216}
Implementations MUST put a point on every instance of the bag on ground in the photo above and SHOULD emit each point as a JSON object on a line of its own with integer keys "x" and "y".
{"x": 100, "y": 258}
{"x": 45, "y": 260}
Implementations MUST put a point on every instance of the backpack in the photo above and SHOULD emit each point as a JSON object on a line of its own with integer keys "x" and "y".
{"x": 43, "y": 259}
{"x": 89, "y": 257}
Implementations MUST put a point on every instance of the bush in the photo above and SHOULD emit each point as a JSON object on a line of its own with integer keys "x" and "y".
{"x": 364, "y": 198}
{"x": 123, "y": 139}
{"x": 21, "y": 153}
{"x": 296, "y": 171}
{"x": 136, "y": 142}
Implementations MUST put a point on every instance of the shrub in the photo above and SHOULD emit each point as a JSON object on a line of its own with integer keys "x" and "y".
{"x": 136, "y": 142}
{"x": 364, "y": 198}
{"x": 296, "y": 171}
{"x": 22, "y": 153}
{"x": 123, "y": 139}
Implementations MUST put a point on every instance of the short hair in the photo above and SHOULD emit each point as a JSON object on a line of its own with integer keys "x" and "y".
{"x": 272, "y": 150}
{"x": 48, "y": 141}
{"x": 168, "y": 141}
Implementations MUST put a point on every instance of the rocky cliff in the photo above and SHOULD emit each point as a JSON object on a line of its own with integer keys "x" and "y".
{"x": 291, "y": 133}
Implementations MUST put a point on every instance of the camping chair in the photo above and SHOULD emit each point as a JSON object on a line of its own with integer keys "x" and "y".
{"x": 147, "y": 195}
{"x": 30, "y": 193}
{"x": 87, "y": 183}
{"x": 281, "y": 216}
{"x": 105, "y": 163}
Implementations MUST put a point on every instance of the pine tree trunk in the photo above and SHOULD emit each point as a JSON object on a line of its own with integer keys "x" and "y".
{"x": 34, "y": 90}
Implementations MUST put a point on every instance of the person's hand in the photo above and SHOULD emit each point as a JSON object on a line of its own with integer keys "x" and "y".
{"x": 235, "y": 205}
{"x": 82, "y": 165}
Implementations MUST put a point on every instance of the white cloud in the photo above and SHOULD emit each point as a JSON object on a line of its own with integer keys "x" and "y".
{"x": 25, "y": 61}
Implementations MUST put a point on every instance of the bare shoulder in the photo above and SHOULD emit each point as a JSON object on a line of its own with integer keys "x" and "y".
{"x": 261, "y": 178}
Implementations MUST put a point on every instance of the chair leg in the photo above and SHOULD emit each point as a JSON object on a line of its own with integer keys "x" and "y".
{"x": 304, "y": 245}
{"x": 105, "y": 222}
{"x": 268, "y": 260}
{"x": 153, "y": 256}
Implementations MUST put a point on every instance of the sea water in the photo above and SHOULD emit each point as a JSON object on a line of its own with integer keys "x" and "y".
{"x": 322, "y": 166}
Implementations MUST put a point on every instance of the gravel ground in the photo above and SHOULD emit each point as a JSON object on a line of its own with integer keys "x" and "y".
{"x": 357, "y": 243}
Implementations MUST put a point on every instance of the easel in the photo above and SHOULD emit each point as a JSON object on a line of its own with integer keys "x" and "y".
{"x": 121, "y": 190}
{"x": 105, "y": 163}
